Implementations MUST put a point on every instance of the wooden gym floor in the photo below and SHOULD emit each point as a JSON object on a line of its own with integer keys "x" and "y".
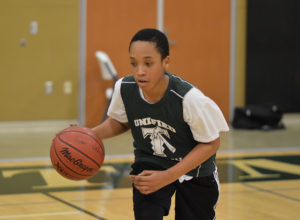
{"x": 259, "y": 173}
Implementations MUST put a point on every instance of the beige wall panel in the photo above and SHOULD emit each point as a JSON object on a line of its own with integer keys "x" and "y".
{"x": 49, "y": 55}
{"x": 240, "y": 76}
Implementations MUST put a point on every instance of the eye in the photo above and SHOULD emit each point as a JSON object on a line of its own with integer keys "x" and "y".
{"x": 133, "y": 64}
{"x": 148, "y": 64}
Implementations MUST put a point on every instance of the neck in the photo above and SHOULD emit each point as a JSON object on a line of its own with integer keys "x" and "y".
{"x": 156, "y": 94}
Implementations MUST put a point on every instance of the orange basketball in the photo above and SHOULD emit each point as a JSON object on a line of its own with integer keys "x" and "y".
{"x": 77, "y": 153}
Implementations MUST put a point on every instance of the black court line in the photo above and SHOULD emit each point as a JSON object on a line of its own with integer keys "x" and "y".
{"x": 271, "y": 192}
{"x": 74, "y": 206}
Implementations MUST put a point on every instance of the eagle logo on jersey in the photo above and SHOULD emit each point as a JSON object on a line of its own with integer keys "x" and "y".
{"x": 158, "y": 141}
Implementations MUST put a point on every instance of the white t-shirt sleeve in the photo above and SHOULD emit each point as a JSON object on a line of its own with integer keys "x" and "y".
{"x": 203, "y": 116}
{"x": 116, "y": 108}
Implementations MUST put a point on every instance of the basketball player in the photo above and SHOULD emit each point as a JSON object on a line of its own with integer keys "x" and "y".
{"x": 175, "y": 128}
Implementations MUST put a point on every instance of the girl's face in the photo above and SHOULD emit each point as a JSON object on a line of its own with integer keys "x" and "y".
{"x": 147, "y": 67}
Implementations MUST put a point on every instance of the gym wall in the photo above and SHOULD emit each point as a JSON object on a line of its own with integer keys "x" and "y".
{"x": 199, "y": 32}
{"x": 39, "y": 43}
{"x": 240, "y": 60}
{"x": 110, "y": 26}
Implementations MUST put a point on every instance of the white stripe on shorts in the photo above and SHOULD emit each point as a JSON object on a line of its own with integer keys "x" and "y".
{"x": 216, "y": 176}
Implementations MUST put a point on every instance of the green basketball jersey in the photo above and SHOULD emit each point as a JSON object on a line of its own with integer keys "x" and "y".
{"x": 161, "y": 136}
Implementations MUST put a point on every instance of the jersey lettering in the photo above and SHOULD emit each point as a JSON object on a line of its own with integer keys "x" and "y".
{"x": 151, "y": 121}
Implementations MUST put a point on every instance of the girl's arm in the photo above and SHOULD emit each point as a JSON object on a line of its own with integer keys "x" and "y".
{"x": 197, "y": 156}
{"x": 110, "y": 128}
{"x": 150, "y": 181}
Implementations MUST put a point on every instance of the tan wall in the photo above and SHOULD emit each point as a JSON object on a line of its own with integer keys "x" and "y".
{"x": 240, "y": 77}
{"x": 201, "y": 54}
{"x": 51, "y": 54}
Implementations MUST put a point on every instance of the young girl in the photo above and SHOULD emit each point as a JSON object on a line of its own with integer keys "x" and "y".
{"x": 175, "y": 128}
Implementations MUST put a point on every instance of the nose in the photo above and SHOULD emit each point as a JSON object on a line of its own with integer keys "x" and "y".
{"x": 140, "y": 70}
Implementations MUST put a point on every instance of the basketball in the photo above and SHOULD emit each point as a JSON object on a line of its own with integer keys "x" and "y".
{"x": 77, "y": 153}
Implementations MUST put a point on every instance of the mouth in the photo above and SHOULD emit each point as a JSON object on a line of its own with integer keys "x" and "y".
{"x": 142, "y": 82}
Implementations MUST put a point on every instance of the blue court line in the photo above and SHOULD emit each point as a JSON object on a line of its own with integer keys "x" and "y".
{"x": 74, "y": 206}
{"x": 271, "y": 192}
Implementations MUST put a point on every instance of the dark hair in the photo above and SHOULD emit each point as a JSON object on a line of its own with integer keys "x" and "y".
{"x": 155, "y": 36}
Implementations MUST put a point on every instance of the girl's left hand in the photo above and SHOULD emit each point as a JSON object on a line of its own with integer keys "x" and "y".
{"x": 150, "y": 181}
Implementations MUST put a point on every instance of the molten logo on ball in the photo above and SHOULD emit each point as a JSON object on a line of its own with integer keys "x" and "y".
{"x": 77, "y": 162}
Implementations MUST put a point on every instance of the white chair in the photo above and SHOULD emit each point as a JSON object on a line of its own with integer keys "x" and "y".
{"x": 108, "y": 70}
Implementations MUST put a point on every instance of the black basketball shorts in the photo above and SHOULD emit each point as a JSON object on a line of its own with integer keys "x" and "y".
{"x": 194, "y": 199}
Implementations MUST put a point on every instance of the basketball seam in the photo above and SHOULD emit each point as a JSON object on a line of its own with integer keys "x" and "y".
{"x": 99, "y": 142}
{"x": 65, "y": 164}
{"x": 79, "y": 150}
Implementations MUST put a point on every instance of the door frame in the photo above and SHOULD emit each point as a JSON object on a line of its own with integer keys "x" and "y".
{"x": 82, "y": 63}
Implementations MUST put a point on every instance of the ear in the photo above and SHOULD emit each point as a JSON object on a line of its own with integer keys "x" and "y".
{"x": 166, "y": 62}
